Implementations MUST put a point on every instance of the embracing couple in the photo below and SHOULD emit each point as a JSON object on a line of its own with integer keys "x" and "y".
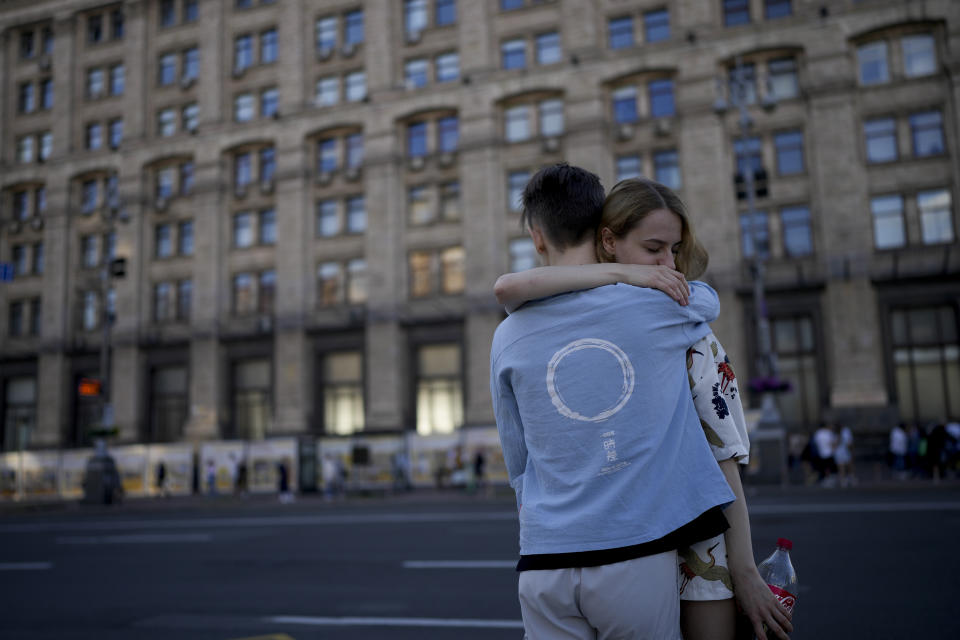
{"x": 621, "y": 424}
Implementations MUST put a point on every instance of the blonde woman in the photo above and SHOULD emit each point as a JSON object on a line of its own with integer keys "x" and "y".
{"x": 646, "y": 239}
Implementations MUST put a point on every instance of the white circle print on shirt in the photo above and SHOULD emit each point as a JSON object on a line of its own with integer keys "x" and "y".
{"x": 626, "y": 368}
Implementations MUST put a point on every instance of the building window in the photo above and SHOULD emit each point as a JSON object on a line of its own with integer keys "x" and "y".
{"x": 416, "y": 139}
{"x": 268, "y": 46}
{"x": 243, "y": 52}
{"x": 190, "y": 11}
{"x": 268, "y": 165}
{"x": 328, "y": 219}
{"x": 94, "y": 136}
{"x": 268, "y": 102}
{"x": 450, "y": 200}
{"x": 88, "y": 196}
{"x": 266, "y": 291}
{"x": 243, "y": 230}
{"x": 25, "y": 149}
{"x": 95, "y": 83}
{"x": 116, "y": 24}
{"x": 748, "y": 152}
{"x": 919, "y": 56}
{"x": 880, "y": 136}
{"x": 46, "y": 146}
{"x": 356, "y": 86}
{"x": 796, "y": 350}
{"x": 936, "y": 216}
{"x": 888, "y": 226}
{"x": 776, "y": 9}
{"x": 661, "y": 98}
{"x": 163, "y": 308}
{"x": 117, "y": 80}
{"x": 926, "y": 359}
{"x": 625, "y": 105}
{"x": 789, "y": 148}
{"x": 782, "y": 74}
{"x": 354, "y": 144}
{"x": 754, "y": 231}
{"x": 656, "y": 25}
{"x": 40, "y": 201}
{"x": 620, "y": 32}
{"x": 252, "y": 398}
{"x": 94, "y": 29}
{"x": 46, "y": 94}
{"x": 168, "y": 69}
{"x": 21, "y": 205}
{"x": 165, "y": 182}
{"x": 16, "y": 325}
{"x": 185, "y": 238}
{"x": 926, "y": 132}
{"x": 551, "y": 117}
{"x": 736, "y": 12}
{"x": 191, "y": 116}
{"x": 243, "y": 295}
{"x": 168, "y": 13}
{"x": 439, "y": 389}
{"x": 421, "y": 274}
{"x": 353, "y": 32}
{"x": 356, "y": 214}
{"x": 448, "y": 134}
{"x": 38, "y": 259}
{"x": 517, "y": 121}
{"x": 329, "y": 284}
{"x": 166, "y": 123}
{"x": 328, "y": 91}
{"x": 36, "y": 317}
{"x": 186, "y": 178}
{"x": 243, "y": 107}
{"x": 415, "y": 72}
{"x": 327, "y": 156}
{"x": 343, "y": 393}
{"x": 163, "y": 247}
{"x": 191, "y": 63}
{"x": 26, "y": 102}
{"x": 797, "y": 237}
{"x": 184, "y": 300}
{"x": 267, "y": 226}
{"x": 513, "y": 54}
{"x": 452, "y": 270}
{"x": 326, "y": 34}
{"x": 356, "y": 281}
{"x": 666, "y": 168}
{"x": 523, "y": 255}
{"x": 89, "y": 251}
{"x": 548, "y": 48}
{"x": 447, "y": 67}
{"x": 90, "y": 310}
{"x": 109, "y": 243}
{"x": 169, "y": 394}
{"x": 19, "y": 255}
{"x": 419, "y": 210}
{"x": 414, "y": 16}
{"x": 27, "y": 46}
{"x": 872, "y": 61}
{"x": 516, "y": 182}
{"x": 445, "y": 12}
{"x": 748, "y": 86}
{"x": 510, "y": 5}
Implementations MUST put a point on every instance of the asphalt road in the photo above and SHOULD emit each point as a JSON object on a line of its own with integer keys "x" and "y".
{"x": 872, "y": 564}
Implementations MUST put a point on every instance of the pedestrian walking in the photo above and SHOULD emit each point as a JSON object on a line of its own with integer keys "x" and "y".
{"x": 162, "y": 479}
{"x": 825, "y": 442}
{"x": 283, "y": 483}
{"x": 899, "y": 447}
{"x": 211, "y": 477}
{"x": 843, "y": 456}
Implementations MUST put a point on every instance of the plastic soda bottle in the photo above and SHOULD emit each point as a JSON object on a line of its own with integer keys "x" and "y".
{"x": 777, "y": 571}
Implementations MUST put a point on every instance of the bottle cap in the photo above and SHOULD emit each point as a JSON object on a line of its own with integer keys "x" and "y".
{"x": 786, "y": 544}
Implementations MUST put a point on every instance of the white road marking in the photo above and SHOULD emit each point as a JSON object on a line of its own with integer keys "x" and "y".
{"x": 396, "y": 622}
{"x": 25, "y": 566}
{"x": 459, "y": 564}
{"x": 146, "y": 538}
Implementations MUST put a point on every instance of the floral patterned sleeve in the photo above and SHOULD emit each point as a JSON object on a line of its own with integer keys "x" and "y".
{"x": 716, "y": 396}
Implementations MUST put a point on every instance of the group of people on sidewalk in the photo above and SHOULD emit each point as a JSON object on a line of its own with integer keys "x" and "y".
{"x": 932, "y": 452}
{"x": 621, "y": 425}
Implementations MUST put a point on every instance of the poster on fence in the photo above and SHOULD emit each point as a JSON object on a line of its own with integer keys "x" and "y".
{"x": 219, "y": 462}
{"x": 264, "y": 458}
{"x": 132, "y": 466}
{"x": 177, "y": 462}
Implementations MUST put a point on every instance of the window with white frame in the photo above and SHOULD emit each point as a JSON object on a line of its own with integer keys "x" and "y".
{"x": 439, "y": 389}
{"x": 243, "y": 231}
{"x": 516, "y": 183}
{"x": 328, "y": 91}
{"x": 782, "y": 75}
{"x": 166, "y": 123}
{"x": 415, "y": 73}
{"x": 661, "y": 98}
{"x": 548, "y": 48}
{"x": 629, "y": 166}
{"x": 666, "y": 168}
{"x": 268, "y": 102}
{"x": 343, "y": 392}
{"x": 880, "y": 137}
{"x": 789, "y": 150}
{"x": 620, "y": 32}
{"x": 356, "y": 214}
{"x": 447, "y": 67}
{"x": 329, "y": 284}
{"x": 625, "y": 104}
{"x": 513, "y": 54}
{"x": 872, "y": 63}
{"x": 356, "y": 86}
{"x": 797, "y": 236}
{"x": 523, "y": 255}
{"x": 517, "y": 123}
{"x": 889, "y": 231}
{"x": 356, "y": 287}
{"x": 919, "y": 55}
{"x": 191, "y": 116}
{"x": 926, "y": 132}
{"x": 656, "y": 25}
{"x": 936, "y": 216}
{"x": 243, "y": 107}
{"x": 328, "y": 219}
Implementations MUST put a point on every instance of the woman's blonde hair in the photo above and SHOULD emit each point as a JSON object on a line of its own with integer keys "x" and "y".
{"x": 630, "y": 201}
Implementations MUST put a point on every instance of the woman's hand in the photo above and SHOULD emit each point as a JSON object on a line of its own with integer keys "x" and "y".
{"x": 768, "y": 617}
{"x": 670, "y": 281}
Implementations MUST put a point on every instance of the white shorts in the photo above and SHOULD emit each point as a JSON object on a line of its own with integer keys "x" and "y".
{"x": 703, "y": 571}
{"x": 630, "y": 600}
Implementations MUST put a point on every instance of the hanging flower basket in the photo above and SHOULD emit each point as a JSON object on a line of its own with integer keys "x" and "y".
{"x": 771, "y": 384}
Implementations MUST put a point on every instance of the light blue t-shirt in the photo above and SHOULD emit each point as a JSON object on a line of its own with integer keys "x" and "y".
{"x": 599, "y": 432}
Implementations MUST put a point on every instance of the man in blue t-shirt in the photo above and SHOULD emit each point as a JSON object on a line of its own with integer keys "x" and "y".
{"x": 600, "y": 435}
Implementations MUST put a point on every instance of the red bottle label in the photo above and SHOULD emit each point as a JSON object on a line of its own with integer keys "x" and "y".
{"x": 786, "y": 598}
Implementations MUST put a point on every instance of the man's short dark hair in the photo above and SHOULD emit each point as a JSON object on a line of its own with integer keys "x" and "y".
{"x": 565, "y": 202}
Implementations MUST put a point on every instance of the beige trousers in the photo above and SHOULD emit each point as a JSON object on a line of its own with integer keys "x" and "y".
{"x": 636, "y": 599}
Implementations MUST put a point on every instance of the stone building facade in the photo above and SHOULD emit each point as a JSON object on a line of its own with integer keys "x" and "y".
{"x": 314, "y": 198}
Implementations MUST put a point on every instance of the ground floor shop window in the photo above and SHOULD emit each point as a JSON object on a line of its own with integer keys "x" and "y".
{"x": 439, "y": 389}
{"x": 168, "y": 403}
{"x": 926, "y": 361}
{"x": 343, "y": 392}
{"x": 794, "y": 343}
{"x": 252, "y": 398}
{"x": 19, "y": 412}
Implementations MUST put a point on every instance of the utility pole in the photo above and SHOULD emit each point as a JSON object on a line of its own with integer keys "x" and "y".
{"x": 766, "y": 365}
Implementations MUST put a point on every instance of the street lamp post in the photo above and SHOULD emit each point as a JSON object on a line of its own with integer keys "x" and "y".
{"x": 766, "y": 365}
